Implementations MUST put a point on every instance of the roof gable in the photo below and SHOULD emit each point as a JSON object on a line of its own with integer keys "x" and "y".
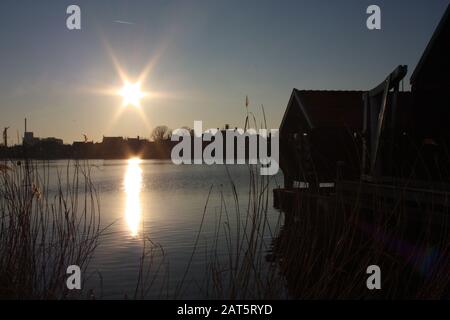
{"x": 318, "y": 108}
{"x": 434, "y": 64}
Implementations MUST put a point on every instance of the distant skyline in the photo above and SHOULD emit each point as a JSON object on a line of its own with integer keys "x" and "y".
{"x": 207, "y": 56}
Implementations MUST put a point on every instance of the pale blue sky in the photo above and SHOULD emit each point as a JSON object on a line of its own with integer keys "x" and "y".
{"x": 211, "y": 55}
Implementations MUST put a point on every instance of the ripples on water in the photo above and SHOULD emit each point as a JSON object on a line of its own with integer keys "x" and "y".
{"x": 165, "y": 203}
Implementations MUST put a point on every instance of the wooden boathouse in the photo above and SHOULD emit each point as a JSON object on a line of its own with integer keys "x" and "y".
{"x": 367, "y": 180}
{"x": 383, "y": 135}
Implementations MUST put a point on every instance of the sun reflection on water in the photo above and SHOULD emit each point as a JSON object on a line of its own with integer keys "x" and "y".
{"x": 133, "y": 185}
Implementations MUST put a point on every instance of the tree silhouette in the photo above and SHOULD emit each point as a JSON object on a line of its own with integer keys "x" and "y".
{"x": 161, "y": 133}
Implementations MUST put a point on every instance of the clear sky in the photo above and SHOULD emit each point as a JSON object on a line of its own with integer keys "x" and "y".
{"x": 207, "y": 56}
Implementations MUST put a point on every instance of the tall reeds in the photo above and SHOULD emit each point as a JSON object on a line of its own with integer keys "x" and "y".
{"x": 44, "y": 229}
{"x": 329, "y": 240}
{"x": 237, "y": 254}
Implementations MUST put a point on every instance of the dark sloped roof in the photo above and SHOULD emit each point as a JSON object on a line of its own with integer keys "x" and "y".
{"x": 333, "y": 108}
{"x": 327, "y": 108}
{"x": 435, "y": 63}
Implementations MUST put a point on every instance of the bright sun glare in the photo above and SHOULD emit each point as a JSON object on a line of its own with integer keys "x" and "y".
{"x": 133, "y": 185}
{"x": 132, "y": 94}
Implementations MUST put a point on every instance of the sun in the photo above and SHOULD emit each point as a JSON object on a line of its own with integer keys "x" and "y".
{"x": 132, "y": 94}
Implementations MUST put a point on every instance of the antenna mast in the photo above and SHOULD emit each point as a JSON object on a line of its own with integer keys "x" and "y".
{"x": 5, "y": 136}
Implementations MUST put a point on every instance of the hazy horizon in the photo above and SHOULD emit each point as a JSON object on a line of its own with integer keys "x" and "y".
{"x": 206, "y": 58}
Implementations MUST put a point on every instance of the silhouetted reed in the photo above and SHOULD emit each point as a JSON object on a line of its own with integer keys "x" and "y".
{"x": 153, "y": 274}
{"x": 236, "y": 264}
{"x": 329, "y": 240}
{"x": 43, "y": 230}
{"x": 324, "y": 244}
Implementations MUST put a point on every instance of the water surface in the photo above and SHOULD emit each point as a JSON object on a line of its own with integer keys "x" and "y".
{"x": 163, "y": 202}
